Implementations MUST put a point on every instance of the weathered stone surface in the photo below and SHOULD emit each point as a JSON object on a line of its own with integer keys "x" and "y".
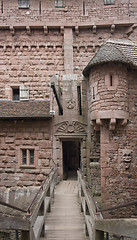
{"x": 30, "y": 56}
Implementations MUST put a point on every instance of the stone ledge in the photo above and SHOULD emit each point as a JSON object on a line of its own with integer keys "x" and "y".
{"x": 109, "y": 114}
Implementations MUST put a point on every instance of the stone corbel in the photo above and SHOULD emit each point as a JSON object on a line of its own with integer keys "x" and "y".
{"x": 45, "y": 30}
{"x": 4, "y": 47}
{"x": 21, "y": 48}
{"x": 123, "y": 122}
{"x": 13, "y": 47}
{"x": 94, "y": 48}
{"x": 94, "y": 29}
{"x": 62, "y": 30}
{"x": 96, "y": 124}
{"x": 76, "y": 30}
{"x": 112, "y": 124}
{"x": 112, "y": 28}
{"x": 99, "y": 122}
{"x": 12, "y": 30}
{"x": 28, "y": 30}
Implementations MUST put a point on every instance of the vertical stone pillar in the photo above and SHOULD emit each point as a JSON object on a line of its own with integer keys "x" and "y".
{"x": 68, "y": 51}
{"x": 104, "y": 145}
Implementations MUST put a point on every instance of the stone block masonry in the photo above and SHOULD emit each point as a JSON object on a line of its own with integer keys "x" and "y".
{"x": 18, "y": 135}
{"x": 43, "y": 40}
{"x": 73, "y": 10}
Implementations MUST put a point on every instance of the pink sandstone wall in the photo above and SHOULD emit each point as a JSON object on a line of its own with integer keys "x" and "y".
{"x": 87, "y": 43}
{"x": 118, "y": 152}
{"x": 30, "y": 60}
{"x": 94, "y": 10}
{"x": 15, "y": 135}
{"x": 106, "y": 97}
{"x": 30, "y": 56}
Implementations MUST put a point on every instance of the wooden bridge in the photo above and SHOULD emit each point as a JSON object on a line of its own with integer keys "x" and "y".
{"x": 65, "y": 211}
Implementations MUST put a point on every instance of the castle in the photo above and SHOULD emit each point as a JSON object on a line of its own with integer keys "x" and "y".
{"x": 68, "y": 96}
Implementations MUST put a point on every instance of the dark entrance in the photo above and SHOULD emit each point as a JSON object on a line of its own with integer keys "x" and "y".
{"x": 71, "y": 158}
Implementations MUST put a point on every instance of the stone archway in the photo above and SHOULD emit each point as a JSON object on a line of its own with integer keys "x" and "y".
{"x": 70, "y": 143}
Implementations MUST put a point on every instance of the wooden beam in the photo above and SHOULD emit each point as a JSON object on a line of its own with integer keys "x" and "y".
{"x": 122, "y": 227}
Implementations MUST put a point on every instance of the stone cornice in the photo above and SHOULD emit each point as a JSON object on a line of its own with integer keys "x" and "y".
{"x": 11, "y": 25}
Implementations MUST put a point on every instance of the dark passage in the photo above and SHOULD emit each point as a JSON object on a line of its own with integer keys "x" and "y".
{"x": 71, "y": 158}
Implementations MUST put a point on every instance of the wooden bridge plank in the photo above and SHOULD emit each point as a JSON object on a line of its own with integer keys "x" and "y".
{"x": 65, "y": 221}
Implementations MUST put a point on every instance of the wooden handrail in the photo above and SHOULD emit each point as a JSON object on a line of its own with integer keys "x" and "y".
{"x": 95, "y": 224}
{"x": 12, "y": 206}
{"x": 33, "y": 200}
{"x": 33, "y": 222}
{"x": 89, "y": 192}
{"x": 130, "y": 203}
{"x": 119, "y": 206}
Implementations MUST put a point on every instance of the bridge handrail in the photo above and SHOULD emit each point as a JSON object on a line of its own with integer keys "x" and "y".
{"x": 128, "y": 204}
{"x": 88, "y": 206}
{"x": 32, "y": 223}
{"x": 86, "y": 189}
{"x": 41, "y": 188}
{"x": 37, "y": 216}
{"x": 33, "y": 200}
{"x": 95, "y": 224}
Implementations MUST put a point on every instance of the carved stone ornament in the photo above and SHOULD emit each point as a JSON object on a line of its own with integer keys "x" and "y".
{"x": 74, "y": 127}
{"x": 125, "y": 157}
{"x": 70, "y": 103}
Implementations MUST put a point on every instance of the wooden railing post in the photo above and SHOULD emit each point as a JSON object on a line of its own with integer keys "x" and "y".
{"x": 43, "y": 231}
{"x": 25, "y": 235}
{"x": 99, "y": 235}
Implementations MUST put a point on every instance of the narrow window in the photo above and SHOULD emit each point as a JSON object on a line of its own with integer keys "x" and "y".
{"x": 111, "y": 80}
{"x": 109, "y": 2}
{"x": 40, "y": 8}
{"x": 15, "y": 94}
{"x": 23, "y": 3}
{"x": 59, "y": 3}
{"x": 84, "y": 10}
{"x": 31, "y": 156}
{"x": 79, "y": 100}
{"x": 24, "y": 157}
{"x": 1, "y": 6}
{"x": 93, "y": 93}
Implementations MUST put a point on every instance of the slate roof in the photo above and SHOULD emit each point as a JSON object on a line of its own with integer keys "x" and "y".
{"x": 123, "y": 51}
{"x": 24, "y": 109}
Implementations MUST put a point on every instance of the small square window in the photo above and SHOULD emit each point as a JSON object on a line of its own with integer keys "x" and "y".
{"x": 20, "y": 93}
{"x": 15, "y": 94}
{"x": 109, "y": 2}
{"x": 27, "y": 157}
{"x": 59, "y": 3}
{"x": 23, "y": 3}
